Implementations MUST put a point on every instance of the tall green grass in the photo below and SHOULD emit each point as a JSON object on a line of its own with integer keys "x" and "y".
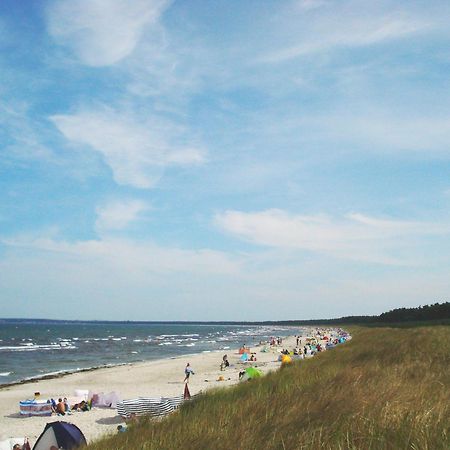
{"x": 388, "y": 388}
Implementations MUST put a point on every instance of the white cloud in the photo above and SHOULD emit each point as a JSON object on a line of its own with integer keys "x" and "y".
{"x": 137, "y": 151}
{"x": 355, "y": 236}
{"x": 102, "y": 32}
{"x": 97, "y": 278}
{"x": 119, "y": 214}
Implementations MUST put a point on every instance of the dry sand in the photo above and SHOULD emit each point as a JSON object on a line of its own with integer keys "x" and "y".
{"x": 149, "y": 379}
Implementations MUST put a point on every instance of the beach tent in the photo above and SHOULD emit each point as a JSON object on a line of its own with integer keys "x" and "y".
{"x": 60, "y": 435}
{"x": 109, "y": 400}
{"x": 250, "y": 373}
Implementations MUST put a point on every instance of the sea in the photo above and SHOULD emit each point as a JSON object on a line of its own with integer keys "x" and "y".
{"x": 38, "y": 349}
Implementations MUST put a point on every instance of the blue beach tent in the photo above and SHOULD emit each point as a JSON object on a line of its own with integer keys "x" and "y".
{"x": 60, "y": 435}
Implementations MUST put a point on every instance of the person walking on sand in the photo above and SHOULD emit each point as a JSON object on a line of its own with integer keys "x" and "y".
{"x": 187, "y": 372}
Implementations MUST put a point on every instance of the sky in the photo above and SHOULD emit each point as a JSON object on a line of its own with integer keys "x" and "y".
{"x": 226, "y": 160}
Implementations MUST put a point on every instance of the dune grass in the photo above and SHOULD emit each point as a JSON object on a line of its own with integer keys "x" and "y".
{"x": 388, "y": 388}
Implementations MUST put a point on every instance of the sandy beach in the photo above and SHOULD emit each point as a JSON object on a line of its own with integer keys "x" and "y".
{"x": 152, "y": 379}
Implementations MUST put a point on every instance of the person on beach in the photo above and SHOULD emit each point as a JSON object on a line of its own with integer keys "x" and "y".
{"x": 187, "y": 372}
{"x": 60, "y": 408}
{"x": 224, "y": 362}
{"x": 66, "y": 406}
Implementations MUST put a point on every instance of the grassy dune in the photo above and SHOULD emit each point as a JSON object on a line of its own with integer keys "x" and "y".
{"x": 389, "y": 388}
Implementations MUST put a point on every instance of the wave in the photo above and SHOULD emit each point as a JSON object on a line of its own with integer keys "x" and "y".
{"x": 5, "y": 374}
{"x": 30, "y": 347}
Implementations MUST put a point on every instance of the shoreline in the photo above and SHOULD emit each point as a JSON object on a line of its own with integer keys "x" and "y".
{"x": 66, "y": 372}
{"x": 155, "y": 378}
{"x": 59, "y": 374}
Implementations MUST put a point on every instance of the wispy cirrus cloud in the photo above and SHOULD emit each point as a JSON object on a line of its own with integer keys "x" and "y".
{"x": 136, "y": 150}
{"x": 344, "y": 25}
{"x": 102, "y": 32}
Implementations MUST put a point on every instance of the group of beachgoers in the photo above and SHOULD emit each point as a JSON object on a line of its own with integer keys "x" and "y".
{"x": 62, "y": 407}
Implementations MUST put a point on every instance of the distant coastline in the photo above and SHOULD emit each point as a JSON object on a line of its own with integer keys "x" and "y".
{"x": 432, "y": 312}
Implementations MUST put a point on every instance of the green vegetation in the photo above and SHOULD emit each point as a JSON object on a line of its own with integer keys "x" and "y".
{"x": 388, "y": 388}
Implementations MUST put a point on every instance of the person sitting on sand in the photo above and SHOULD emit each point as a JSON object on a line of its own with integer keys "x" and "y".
{"x": 224, "y": 362}
{"x": 60, "y": 408}
{"x": 66, "y": 406}
{"x": 82, "y": 406}
{"x": 187, "y": 372}
{"x": 121, "y": 428}
{"x": 17, "y": 447}
{"x": 53, "y": 405}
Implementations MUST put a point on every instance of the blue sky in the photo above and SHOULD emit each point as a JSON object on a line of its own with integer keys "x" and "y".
{"x": 228, "y": 160}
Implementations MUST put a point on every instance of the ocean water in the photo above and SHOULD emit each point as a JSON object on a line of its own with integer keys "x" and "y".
{"x": 35, "y": 349}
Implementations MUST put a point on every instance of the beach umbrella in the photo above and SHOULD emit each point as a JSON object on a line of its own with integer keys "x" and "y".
{"x": 60, "y": 435}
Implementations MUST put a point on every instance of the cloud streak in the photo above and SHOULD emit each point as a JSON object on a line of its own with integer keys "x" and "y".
{"x": 354, "y": 236}
{"x": 341, "y": 26}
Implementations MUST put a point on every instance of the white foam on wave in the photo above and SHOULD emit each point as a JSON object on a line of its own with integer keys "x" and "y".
{"x": 5, "y": 374}
{"x": 30, "y": 347}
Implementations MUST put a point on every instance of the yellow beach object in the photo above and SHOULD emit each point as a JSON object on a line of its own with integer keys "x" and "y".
{"x": 286, "y": 359}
